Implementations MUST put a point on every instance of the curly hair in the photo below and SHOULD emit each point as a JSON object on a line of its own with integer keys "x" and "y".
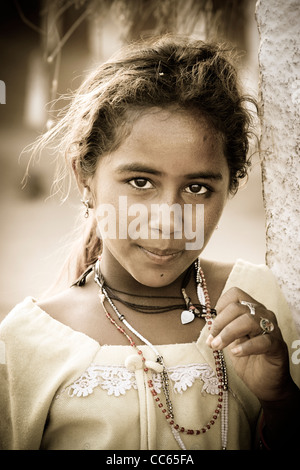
{"x": 167, "y": 71}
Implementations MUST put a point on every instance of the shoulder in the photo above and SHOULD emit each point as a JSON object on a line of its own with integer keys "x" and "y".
{"x": 255, "y": 278}
{"x": 75, "y": 307}
{"x": 60, "y": 305}
{"x": 29, "y": 334}
{"x": 216, "y": 274}
{"x": 260, "y": 283}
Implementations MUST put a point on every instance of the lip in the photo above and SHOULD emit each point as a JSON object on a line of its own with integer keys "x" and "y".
{"x": 161, "y": 256}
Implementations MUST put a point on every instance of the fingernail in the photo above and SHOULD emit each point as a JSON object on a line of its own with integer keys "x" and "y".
{"x": 216, "y": 342}
{"x": 209, "y": 339}
{"x": 236, "y": 350}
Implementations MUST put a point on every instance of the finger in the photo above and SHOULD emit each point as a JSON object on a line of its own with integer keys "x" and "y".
{"x": 236, "y": 321}
{"x": 238, "y": 328}
{"x": 234, "y": 295}
{"x": 228, "y": 314}
{"x": 261, "y": 344}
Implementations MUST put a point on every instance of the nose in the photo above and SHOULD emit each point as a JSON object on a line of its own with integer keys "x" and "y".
{"x": 166, "y": 217}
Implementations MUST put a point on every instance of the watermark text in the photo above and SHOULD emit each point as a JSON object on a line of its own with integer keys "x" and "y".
{"x": 296, "y": 353}
{"x": 157, "y": 221}
{"x": 2, "y": 92}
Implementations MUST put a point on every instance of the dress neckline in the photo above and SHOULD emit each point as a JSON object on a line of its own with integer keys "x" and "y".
{"x": 202, "y": 333}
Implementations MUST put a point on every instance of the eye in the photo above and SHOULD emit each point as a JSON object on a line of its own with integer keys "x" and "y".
{"x": 196, "y": 189}
{"x": 140, "y": 183}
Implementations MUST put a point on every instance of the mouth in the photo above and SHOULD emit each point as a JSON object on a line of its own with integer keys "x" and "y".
{"x": 161, "y": 256}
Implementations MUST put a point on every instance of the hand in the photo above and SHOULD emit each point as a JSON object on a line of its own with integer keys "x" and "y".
{"x": 260, "y": 360}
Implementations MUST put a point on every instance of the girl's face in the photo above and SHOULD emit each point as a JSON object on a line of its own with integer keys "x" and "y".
{"x": 173, "y": 158}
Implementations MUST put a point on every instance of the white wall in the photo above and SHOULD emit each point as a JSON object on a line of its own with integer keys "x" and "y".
{"x": 279, "y": 61}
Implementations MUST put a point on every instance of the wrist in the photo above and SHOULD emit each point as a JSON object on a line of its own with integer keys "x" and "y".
{"x": 288, "y": 396}
{"x": 281, "y": 418}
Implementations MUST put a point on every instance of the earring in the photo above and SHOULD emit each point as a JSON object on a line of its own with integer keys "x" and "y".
{"x": 85, "y": 202}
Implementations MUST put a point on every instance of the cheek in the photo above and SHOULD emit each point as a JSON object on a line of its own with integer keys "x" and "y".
{"x": 213, "y": 212}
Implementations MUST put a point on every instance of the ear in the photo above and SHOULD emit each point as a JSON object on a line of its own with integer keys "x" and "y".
{"x": 79, "y": 181}
{"x": 82, "y": 185}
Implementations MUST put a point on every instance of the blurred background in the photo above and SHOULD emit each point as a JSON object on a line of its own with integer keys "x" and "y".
{"x": 46, "y": 49}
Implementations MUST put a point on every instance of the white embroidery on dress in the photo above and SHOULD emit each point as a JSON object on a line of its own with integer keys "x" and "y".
{"x": 118, "y": 379}
{"x": 185, "y": 376}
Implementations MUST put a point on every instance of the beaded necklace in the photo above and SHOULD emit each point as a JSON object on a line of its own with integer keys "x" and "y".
{"x": 188, "y": 314}
{"x": 221, "y": 372}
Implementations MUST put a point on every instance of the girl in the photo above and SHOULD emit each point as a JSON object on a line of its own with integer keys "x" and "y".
{"x": 133, "y": 355}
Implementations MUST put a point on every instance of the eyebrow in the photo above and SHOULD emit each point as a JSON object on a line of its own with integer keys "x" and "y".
{"x": 136, "y": 168}
{"x": 205, "y": 175}
{"x": 139, "y": 167}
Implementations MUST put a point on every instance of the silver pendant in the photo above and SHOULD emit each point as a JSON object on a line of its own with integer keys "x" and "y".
{"x": 187, "y": 316}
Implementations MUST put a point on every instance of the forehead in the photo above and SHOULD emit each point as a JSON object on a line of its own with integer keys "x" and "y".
{"x": 172, "y": 141}
{"x": 172, "y": 125}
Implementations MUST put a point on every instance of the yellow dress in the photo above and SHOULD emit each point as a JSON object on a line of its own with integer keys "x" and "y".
{"x": 60, "y": 389}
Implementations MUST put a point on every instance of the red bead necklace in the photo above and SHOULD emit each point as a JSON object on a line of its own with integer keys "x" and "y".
{"x": 221, "y": 373}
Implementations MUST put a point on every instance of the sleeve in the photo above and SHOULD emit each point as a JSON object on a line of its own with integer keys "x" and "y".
{"x": 259, "y": 282}
{"x": 37, "y": 356}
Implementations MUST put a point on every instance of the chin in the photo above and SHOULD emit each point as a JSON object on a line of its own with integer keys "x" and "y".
{"x": 156, "y": 278}
{"x": 157, "y": 283}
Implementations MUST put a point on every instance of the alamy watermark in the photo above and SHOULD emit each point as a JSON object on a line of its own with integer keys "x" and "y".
{"x": 2, "y": 92}
{"x": 296, "y": 353}
{"x": 159, "y": 221}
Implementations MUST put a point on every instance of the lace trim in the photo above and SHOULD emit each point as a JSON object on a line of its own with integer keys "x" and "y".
{"x": 116, "y": 380}
{"x": 184, "y": 377}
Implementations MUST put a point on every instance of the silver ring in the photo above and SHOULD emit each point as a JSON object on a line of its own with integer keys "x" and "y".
{"x": 266, "y": 325}
{"x": 250, "y": 305}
